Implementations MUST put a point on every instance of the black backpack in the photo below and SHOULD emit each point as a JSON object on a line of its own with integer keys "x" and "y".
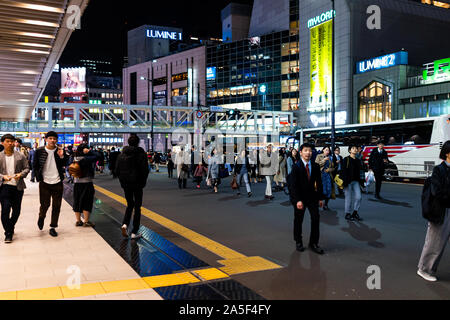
{"x": 127, "y": 166}
{"x": 432, "y": 209}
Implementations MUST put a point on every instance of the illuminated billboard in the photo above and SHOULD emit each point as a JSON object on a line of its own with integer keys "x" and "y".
{"x": 73, "y": 80}
{"x": 437, "y": 71}
{"x": 321, "y": 66}
{"x": 382, "y": 62}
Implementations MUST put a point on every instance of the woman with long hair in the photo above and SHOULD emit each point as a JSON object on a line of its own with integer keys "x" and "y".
{"x": 327, "y": 169}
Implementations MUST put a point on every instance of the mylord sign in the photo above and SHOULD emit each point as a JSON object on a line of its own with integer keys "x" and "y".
{"x": 382, "y": 62}
{"x": 324, "y": 17}
{"x": 164, "y": 34}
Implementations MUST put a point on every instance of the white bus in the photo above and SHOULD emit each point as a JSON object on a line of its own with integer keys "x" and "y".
{"x": 413, "y": 145}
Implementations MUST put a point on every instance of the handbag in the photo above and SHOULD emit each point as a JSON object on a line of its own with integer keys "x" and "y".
{"x": 339, "y": 182}
{"x": 234, "y": 184}
{"x": 184, "y": 167}
{"x": 75, "y": 170}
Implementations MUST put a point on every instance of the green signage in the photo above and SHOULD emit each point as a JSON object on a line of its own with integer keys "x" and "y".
{"x": 439, "y": 71}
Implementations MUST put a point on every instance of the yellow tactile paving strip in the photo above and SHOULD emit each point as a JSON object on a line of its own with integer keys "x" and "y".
{"x": 107, "y": 287}
{"x": 234, "y": 262}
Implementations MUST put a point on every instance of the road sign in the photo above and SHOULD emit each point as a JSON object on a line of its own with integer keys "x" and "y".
{"x": 216, "y": 109}
{"x": 199, "y": 114}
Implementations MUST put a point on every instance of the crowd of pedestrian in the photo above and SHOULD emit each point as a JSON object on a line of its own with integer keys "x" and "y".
{"x": 310, "y": 177}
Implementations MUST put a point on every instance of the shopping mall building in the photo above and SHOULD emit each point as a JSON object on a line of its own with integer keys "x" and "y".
{"x": 389, "y": 63}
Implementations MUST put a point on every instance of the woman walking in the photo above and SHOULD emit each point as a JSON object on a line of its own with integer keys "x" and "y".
{"x": 253, "y": 161}
{"x": 241, "y": 170}
{"x": 170, "y": 164}
{"x": 182, "y": 168}
{"x": 351, "y": 176}
{"x": 437, "y": 234}
{"x": 280, "y": 177}
{"x": 267, "y": 168}
{"x": 327, "y": 169}
{"x": 199, "y": 172}
{"x": 83, "y": 190}
{"x": 213, "y": 170}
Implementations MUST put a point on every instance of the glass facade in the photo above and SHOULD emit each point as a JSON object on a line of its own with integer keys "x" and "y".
{"x": 261, "y": 72}
{"x": 375, "y": 103}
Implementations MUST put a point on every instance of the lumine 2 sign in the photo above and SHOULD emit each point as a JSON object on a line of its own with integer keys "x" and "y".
{"x": 161, "y": 34}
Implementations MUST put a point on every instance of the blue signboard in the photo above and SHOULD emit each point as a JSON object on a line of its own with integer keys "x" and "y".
{"x": 387, "y": 61}
{"x": 211, "y": 73}
{"x": 65, "y": 139}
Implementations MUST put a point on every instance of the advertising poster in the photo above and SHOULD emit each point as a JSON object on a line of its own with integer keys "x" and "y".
{"x": 73, "y": 80}
{"x": 321, "y": 66}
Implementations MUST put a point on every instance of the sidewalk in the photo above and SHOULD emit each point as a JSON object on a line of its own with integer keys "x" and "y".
{"x": 35, "y": 265}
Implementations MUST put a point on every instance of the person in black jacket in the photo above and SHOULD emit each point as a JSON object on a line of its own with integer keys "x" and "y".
{"x": 377, "y": 162}
{"x": 83, "y": 189}
{"x": 132, "y": 170}
{"x": 112, "y": 162}
{"x": 306, "y": 191}
{"x": 48, "y": 165}
{"x": 351, "y": 170}
{"x": 437, "y": 235}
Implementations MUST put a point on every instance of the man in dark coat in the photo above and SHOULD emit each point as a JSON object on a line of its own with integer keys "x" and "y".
{"x": 306, "y": 191}
{"x": 132, "y": 170}
{"x": 112, "y": 162}
{"x": 377, "y": 162}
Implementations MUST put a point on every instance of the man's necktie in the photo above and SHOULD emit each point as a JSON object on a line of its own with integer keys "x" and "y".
{"x": 307, "y": 172}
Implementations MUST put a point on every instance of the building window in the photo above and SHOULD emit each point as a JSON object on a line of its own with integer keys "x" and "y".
{"x": 179, "y": 92}
{"x": 375, "y": 103}
{"x": 159, "y": 81}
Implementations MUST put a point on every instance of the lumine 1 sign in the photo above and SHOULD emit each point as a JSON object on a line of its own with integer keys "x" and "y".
{"x": 164, "y": 34}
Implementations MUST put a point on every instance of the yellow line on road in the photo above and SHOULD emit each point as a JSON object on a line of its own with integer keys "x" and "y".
{"x": 193, "y": 236}
{"x": 234, "y": 262}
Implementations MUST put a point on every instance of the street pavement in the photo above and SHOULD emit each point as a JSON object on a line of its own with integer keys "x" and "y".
{"x": 390, "y": 237}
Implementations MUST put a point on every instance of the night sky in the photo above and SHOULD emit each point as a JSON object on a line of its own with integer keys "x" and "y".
{"x": 104, "y": 25}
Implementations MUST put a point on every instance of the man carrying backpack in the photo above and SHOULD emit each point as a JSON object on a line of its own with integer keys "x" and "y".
{"x": 436, "y": 209}
{"x": 132, "y": 171}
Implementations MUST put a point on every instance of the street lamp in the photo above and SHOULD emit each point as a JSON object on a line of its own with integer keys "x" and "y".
{"x": 151, "y": 107}
{"x": 333, "y": 110}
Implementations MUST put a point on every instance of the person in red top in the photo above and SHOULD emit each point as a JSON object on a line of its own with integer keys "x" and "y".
{"x": 199, "y": 172}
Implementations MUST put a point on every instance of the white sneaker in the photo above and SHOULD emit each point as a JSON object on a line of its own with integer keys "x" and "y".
{"x": 426, "y": 276}
{"x": 124, "y": 231}
{"x": 135, "y": 236}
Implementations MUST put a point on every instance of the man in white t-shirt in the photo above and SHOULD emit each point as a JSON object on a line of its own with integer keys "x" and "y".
{"x": 48, "y": 165}
{"x": 13, "y": 168}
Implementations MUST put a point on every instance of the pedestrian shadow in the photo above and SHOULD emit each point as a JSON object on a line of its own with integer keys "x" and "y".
{"x": 286, "y": 204}
{"x": 362, "y": 232}
{"x": 330, "y": 217}
{"x": 301, "y": 279}
{"x": 233, "y": 197}
{"x": 392, "y": 203}
{"x": 258, "y": 203}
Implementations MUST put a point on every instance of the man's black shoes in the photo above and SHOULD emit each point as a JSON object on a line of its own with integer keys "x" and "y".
{"x": 356, "y": 216}
{"x": 8, "y": 239}
{"x": 41, "y": 223}
{"x": 53, "y": 232}
{"x": 349, "y": 217}
{"x": 316, "y": 249}
{"x": 299, "y": 246}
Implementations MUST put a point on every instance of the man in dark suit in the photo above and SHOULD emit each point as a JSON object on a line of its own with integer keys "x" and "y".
{"x": 306, "y": 191}
{"x": 377, "y": 162}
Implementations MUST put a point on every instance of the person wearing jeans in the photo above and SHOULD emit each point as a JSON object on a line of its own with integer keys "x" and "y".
{"x": 132, "y": 170}
{"x": 49, "y": 163}
{"x": 241, "y": 170}
{"x": 351, "y": 175}
{"x": 13, "y": 168}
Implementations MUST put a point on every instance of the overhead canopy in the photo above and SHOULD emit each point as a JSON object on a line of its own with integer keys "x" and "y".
{"x": 33, "y": 35}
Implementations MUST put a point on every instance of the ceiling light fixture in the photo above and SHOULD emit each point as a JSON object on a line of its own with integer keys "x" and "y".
{"x": 33, "y": 34}
{"x": 32, "y": 6}
{"x": 31, "y": 44}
